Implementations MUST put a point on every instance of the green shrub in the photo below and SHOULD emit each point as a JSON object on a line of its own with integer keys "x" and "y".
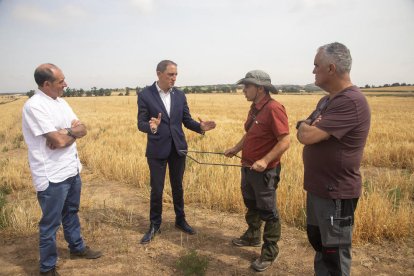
{"x": 192, "y": 264}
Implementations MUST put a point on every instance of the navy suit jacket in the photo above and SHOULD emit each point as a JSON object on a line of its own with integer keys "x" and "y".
{"x": 170, "y": 129}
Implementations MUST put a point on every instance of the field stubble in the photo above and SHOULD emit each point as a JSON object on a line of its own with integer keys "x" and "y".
{"x": 115, "y": 150}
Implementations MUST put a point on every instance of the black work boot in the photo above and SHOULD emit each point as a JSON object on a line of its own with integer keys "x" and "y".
{"x": 87, "y": 253}
{"x": 51, "y": 272}
{"x": 252, "y": 235}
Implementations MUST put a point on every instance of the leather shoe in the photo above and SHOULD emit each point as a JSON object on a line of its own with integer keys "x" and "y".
{"x": 51, "y": 272}
{"x": 87, "y": 253}
{"x": 185, "y": 227}
{"x": 150, "y": 234}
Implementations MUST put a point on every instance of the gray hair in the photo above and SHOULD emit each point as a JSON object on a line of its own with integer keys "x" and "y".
{"x": 338, "y": 54}
{"x": 162, "y": 66}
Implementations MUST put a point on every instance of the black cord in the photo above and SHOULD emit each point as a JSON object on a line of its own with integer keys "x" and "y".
{"x": 209, "y": 152}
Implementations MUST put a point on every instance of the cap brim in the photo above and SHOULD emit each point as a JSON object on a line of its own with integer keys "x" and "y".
{"x": 254, "y": 81}
{"x": 247, "y": 80}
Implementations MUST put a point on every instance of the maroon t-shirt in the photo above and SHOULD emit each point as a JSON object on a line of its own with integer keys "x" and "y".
{"x": 332, "y": 166}
{"x": 266, "y": 121}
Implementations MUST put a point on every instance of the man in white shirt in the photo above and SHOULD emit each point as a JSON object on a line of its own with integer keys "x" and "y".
{"x": 50, "y": 130}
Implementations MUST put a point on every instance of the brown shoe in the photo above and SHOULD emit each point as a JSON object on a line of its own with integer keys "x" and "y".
{"x": 51, "y": 272}
{"x": 87, "y": 253}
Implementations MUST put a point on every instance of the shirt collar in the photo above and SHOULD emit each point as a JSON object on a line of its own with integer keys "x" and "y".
{"x": 162, "y": 91}
{"x": 262, "y": 102}
{"x": 43, "y": 94}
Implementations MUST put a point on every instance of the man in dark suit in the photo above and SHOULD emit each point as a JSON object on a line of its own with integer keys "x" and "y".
{"x": 162, "y": 110}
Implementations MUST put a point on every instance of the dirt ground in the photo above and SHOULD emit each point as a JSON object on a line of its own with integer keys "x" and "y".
{"x": 114, "y": 216}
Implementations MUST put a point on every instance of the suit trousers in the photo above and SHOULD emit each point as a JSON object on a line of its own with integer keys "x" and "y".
{"x": 176, "y": 166}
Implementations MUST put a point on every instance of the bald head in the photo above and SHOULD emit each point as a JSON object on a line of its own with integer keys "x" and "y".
{"x": 45, "y": 72}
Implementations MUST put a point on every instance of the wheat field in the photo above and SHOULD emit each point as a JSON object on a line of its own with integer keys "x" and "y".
{"x": 115, "y": 150}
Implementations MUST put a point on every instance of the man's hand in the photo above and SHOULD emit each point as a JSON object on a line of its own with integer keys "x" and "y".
{"x": 50, "y": 142}
{"x": 50, "y": 145}
{"x": 317, "y": 120}
{"x": 206, "y": 125}
{"x": 154, "y": 123}
{"x": 259, "y": 165}
{"x": 75, "y": 123}
{"x": 230, "y": 152}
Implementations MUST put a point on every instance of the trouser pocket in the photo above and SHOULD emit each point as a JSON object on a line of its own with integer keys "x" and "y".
{"x": 338, "y": 222}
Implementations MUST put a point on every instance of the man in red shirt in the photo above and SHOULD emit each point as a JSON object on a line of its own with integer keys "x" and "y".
{"x": 334, "y": 136}
{"x": 265, "y": 140}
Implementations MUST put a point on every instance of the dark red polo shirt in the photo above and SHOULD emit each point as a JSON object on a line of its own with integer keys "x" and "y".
{"x": 265, "y": 122}
{"x": 332, "y": 166}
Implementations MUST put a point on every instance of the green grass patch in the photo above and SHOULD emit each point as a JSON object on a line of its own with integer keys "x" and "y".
{"x": 192, "y": 264}
{"x": 3, "y": 219}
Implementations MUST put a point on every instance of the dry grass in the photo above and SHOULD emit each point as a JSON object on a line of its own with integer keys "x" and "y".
{"x": 115, "y": 150}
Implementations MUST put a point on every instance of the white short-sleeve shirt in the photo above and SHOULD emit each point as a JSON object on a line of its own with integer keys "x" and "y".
{"x": 43, "y": 114}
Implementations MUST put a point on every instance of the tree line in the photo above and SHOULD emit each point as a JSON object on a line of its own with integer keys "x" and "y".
{"x": 93, "y": 92}
{"x": 388, "y": 85}
{"x": 218, "y": 88}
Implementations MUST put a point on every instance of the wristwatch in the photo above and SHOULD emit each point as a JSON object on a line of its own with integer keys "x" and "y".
{"x": 70, "y": 133}
{"x": 299, "y": 123}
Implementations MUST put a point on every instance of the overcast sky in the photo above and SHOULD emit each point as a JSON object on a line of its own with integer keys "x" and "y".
{"x": 117, "y": 43}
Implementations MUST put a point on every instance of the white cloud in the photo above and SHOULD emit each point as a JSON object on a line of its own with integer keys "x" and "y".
{"x": 144, "y": 6}
{"x": 73, "y": 11}
{"x": 44, "y": 16}
{"x": 33, "y": 13}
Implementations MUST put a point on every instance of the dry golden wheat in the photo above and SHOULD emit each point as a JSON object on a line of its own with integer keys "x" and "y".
{"x": 115, "y": 149}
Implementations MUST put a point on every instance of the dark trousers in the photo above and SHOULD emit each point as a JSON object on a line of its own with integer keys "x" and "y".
{"x": 329, "y": 230}
{"x": 259, "y": 195}
{"x": 176, "y": 166}
{"x": 60, "y": 205}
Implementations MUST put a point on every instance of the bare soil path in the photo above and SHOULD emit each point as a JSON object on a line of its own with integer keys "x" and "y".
{"x": 114, "y": 217}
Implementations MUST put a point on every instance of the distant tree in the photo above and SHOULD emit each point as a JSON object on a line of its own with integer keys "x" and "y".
{"x": 120, "y": 94}
{"x": 100, "y": 92}
{"x": 186, "y": 90}
{"x": 126, "y": 91}
{"x": 89, "y": 93}
{"x": 367, "y": 86}
{"x": 30, "y": 93}
{"x": 108, "y": 92}
{"x": 386, "y": 85}
{"x": 395, "y": 84}
{"x": 80, "y": 92}
{"x": 137, "y": 89}
{"x": 69, "y": 92}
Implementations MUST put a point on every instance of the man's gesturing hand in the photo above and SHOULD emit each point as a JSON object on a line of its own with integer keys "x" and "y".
{"x": 206, "y": 125}
{"x": 154, "y": 123}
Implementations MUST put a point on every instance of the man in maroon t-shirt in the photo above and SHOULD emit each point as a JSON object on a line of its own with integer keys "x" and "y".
{"x": 266, "y": 139}
{"x": 334, "y": 136}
